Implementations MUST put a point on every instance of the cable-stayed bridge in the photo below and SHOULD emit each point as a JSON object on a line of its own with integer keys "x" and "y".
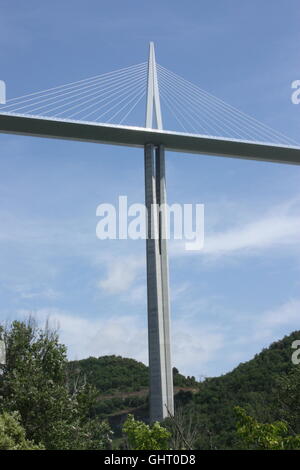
{"x": 111, "y": 108}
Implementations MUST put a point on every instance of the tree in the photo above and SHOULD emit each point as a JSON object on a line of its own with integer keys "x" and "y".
{"x": 12, "y": 434}
{"x": 183, "y": 430}
{"x": 54, "y": 408}
{"x": 254, "y": 435}
{"x": 288, "y": 408}
{"x": 141, "y": 436}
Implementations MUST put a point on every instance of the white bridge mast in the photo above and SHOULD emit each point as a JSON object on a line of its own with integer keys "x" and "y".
{"x": 161, "y": 375}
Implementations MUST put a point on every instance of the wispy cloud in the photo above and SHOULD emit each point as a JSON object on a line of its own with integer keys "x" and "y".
{"x": 262, "y": 328}
{"x": 287, "y": 314}
{"x": 279, "y": 227}
{"x": 267, "y": 232}
{"x": 193, "y": 346}
{"x": 26, "y": 292}
{"x": 122, "y": 274}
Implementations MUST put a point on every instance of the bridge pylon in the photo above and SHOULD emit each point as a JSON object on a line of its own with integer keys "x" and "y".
{"x": 158, "y": 300}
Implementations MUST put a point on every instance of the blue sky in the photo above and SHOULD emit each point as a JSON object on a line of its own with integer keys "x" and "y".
{"x": 242, "y": 291}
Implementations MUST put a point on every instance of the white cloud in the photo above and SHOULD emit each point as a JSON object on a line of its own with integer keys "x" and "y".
{"x": 259, "y": 330}
{"x": 84, "y": 337}
{"x": 287, "y": 314}
{"x": 257, "y": 235}
{"x": 199, "y": 348}
{"x": 192, "y": 345}
{"x": 44, "y": 293}
{"x": 278, "y": 228}
{"x": 122, "y": 275}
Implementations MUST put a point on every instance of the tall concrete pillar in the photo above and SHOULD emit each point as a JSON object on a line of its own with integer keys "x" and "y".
{"x": 161, "y": 376}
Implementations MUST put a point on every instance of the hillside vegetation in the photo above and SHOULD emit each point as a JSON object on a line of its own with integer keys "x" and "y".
{"x": 112, "y": 374}
{"x": 122, "y": 383}
{"x": 208, "y": 407}
{"x": 47, "y": 402}
{"x": 257, "y": 385}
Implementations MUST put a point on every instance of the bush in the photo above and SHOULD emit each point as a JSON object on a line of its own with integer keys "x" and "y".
{"x": 12, "y": 434}
{"x": 141, "y": 436}
{"x": 254, "y": 435}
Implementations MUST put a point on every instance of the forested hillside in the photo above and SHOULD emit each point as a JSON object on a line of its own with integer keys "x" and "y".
{"x": 112, "y": 374}
{"x": 257, "y": 385}
{"x": 123, "y": 385}
{"x": 49, "y": 403}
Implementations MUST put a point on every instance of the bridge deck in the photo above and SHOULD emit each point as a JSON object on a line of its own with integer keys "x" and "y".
{"x": 138, "y": 137}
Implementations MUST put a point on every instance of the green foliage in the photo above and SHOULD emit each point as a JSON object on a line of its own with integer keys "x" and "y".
{"x": 59, "y": 405}
{"x": 267, "y": 387}
{"x": 123, "y": 385}
{"x": 54, "y": 409}
{"x": 288, "y": 399}
{"x": 91, "y": 434}
{"x": 144, "y": 437}
{"x": 273, "y": 436}
{"x": 12, "y": 434}
{"x": 112, "y": 374}
{"x": 183, "y": 430}
{"x": 106, "y": 407}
